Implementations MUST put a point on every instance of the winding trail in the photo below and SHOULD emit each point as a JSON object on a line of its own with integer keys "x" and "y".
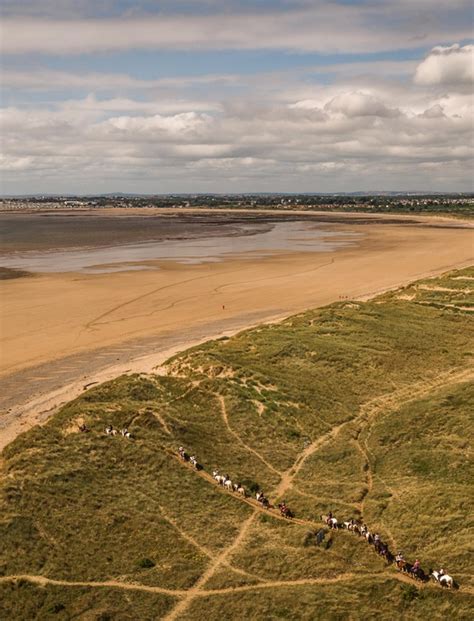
{"x": 248, "y": 500}
{"x": 386, "y": 404}
{"x": 182, "y": 594}
{"x": 204, "y": 550}
{"x": 289, "y": 475}
{"x": 369, "y": 411}
{"x": 225, "y": 418}
{"x": 197, "y": 589}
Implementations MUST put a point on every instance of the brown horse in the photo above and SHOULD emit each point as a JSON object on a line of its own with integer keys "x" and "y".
{"x": 285, "y": 511}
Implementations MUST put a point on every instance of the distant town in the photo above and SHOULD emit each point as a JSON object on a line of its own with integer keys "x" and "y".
{"x": 452, "y": 204}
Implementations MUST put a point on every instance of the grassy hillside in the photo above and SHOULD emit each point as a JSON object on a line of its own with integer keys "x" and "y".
{"x": 358, "y": 408}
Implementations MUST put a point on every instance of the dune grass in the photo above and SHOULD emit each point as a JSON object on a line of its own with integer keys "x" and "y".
{"x": 373, "y": 395}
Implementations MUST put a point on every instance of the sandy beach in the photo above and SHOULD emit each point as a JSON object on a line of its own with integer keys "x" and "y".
{"x": 66, "y": 330}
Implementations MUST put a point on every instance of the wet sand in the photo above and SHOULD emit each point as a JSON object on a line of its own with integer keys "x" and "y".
{"x": 63, "y": 331}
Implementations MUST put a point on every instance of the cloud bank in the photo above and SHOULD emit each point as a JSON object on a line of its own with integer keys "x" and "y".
{"x": 118, "y": 96}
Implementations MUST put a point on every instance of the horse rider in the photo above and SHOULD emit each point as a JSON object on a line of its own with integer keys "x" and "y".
{"x": 399, "y": 558}
{"x": 329, "y": 517}
{"x": 416, "y": 567}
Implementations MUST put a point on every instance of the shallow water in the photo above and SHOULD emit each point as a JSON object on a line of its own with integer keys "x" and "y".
{"x": 282, "y": 237}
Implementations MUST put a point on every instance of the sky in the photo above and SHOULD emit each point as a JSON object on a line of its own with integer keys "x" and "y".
{"x": 187, "y": 96}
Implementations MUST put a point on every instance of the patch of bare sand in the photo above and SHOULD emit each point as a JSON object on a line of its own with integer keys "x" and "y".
{"x": 61, "y": 332}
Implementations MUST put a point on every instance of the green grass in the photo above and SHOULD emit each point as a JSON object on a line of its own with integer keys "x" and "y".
{"x": 26, "y": 601}
{"x": 378, "y": 386}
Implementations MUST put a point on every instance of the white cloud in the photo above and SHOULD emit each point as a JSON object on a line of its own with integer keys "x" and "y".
{"x": 180, "y": 125}
{"x": 342, "y": 138}
{"x": 363, "y": 126}
{"x": 15, "y": 163}
{"x": 324, "y": 27}
{"x": 452, "y": 65}
{"x": 360, "y": 104}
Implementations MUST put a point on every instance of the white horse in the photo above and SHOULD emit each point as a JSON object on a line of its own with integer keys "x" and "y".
{"x": 443, "y": 579}
{"x": 193, "y": 462}
{"x": 228, "y": 485}
{"x": 241, "y": 491}
{"x": 350, "y": 525}
{"x": 219, "y": 478}
{"x": 126, "y": 434}
{"x": 331, "y": 522}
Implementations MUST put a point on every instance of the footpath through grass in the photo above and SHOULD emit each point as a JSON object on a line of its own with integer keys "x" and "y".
{"x": 359, "y": 408}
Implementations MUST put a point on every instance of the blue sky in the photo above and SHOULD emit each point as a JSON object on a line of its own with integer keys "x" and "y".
{"x": 227, "y": 96}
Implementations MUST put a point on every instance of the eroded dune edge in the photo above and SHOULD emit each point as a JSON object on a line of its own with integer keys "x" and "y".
{"x": 358, "y": 408}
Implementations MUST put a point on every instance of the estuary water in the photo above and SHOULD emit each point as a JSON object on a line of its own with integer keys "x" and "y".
{"x": 252, "y": 240}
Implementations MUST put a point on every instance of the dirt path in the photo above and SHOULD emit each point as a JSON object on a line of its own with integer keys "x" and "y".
{"x": 249, "y": 501}
{"x": 382, "y": 406}
{"x": 194, "y": 591}
{"x": 289, "y": 476}
{"x": 197, "y": 589}
{"x": 225, "y": 418}
{"x": 113, "y": 584}
{"x": 368, "y": 412}
{"x": 201, "y": 593}
{"x": 205, "y": 551}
